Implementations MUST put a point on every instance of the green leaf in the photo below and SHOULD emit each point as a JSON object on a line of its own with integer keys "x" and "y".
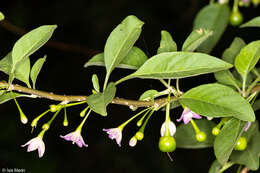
{"x": 196, "y": 38}
{"x": 9, "y": 96}
{"x": 22, "y": 71}
{"x": 95, "y": 82}
{"x": 255, "y": 22}
{"x": 31, "y": 42}
{"x": 98, "y": 102}
{"x": 185, "y": 135}
{"x": 173, "y": 65}
{"x": 6, "y": 64}
{"x": 36, "y": 69}
{"x": 225, "y": 141}
{"x": 247, "y": 58}
{"x": 167, "y": 44}
{"x": 216, "y": 100}
{"x": 249, "y": 156}
{"x": 133, "y": 60}
{"x": 120, "y": 42}
{"x": 226, "y": 77}
{"x": 249, "y": 78}
{"x": 230, "y": 53}
{"x": 212, "y": 17}
{"x": 148, "y": 95}
{"x": 2, "y": 17}
{"x": 215, "y": 167}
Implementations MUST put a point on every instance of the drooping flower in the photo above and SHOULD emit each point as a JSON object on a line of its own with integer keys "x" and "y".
{"x": 115, "y": 133}
{"x": 75, "y": 137}
{"x": 187, "y": 114}
{"x": 171, "y": 127}
{"x": 36, "y": 143}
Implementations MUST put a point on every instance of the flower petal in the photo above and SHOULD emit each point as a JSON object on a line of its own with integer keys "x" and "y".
{"x": 187, "y": 117}
{"x": 41, "y": 149}
{"x": 114, "y": 133}
{"x": 196, "y": 116}
{"x": 172, "y": 128}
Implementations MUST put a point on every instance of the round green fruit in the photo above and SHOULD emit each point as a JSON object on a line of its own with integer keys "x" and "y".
{"x": 215, "y": 131}
{"x": 167, "y": 144}
{"x": 241, "y": 144}
{"x": 236, "y": 18}
{"x": 201, "y": 136}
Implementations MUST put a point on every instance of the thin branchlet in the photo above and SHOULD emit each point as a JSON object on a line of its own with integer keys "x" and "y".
{"x": 73, "y": 98}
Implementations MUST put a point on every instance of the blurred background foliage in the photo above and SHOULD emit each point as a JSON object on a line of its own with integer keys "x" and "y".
{"x": 88, "y": 24}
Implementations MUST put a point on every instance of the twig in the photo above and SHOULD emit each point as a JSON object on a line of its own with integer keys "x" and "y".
{"x": 245, "y": 170}
{"x": 157, "y": 103}
{"x": 66, "y": 47}
{"x": 69, "y": 98}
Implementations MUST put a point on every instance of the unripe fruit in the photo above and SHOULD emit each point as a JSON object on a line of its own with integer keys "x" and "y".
{"x": 201, "y": 136}
{"x": 241, "y": 144}
{"x": 215, "y": 131}
{"x": 236, "y": 18}
{"x": 167, "y": 144}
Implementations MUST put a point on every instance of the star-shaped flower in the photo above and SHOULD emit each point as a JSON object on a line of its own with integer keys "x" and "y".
{"x": 186, "y": 116}
{"x": 115, "y": 133}
{"x": 75, "y": 137}
{"x": 36, "y": 143}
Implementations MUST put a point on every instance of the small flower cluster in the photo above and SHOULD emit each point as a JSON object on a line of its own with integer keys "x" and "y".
{"x": 168, "y": 129}
{"x": 186, "y": 117}
{"x": 37, "y": 142}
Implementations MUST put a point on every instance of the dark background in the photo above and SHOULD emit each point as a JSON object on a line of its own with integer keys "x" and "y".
{"x": 88, "y": 24}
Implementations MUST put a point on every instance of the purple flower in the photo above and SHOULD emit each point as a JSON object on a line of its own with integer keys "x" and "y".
{"x": 187, "y": 114}
{"x": 75, "y": 137}
{"x": 171, "y": 127}
{"x": 36, "y": 143}
{"x": 115, "y": 133}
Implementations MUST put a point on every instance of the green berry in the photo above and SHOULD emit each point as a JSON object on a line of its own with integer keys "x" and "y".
{"x": 241, "y": 144}
{"x": 215, "y": 131}
{"x": 139, "y": 136}
{"x": 236, "y": 18}
{"x": 167, "y": 144}
{"x": 201, "y": 136}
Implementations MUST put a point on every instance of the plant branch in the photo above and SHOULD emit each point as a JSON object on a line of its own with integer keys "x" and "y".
{"x": 66, "y": 47}
{"x": 69, "y": 98}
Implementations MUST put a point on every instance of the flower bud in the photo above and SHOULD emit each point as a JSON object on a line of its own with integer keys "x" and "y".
{"x": 139, "y": 135}
{"x": 133, "y": 141}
